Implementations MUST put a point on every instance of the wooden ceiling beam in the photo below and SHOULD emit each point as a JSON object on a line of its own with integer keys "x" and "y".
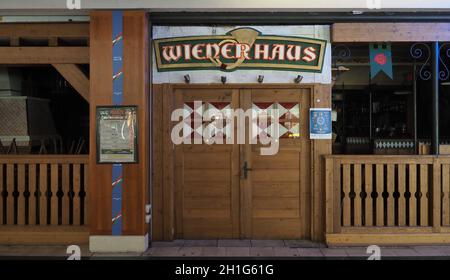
{"x": 390, "y": 32}
{"x": 44, "y": 55}
{"x": 76, "y": 78}
{"x": 44, "y": 30}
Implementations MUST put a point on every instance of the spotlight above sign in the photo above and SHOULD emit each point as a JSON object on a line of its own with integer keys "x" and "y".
{"x": 243, "y": 48}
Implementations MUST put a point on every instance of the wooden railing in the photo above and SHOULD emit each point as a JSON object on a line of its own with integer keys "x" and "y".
{"x": 43, "y": 192}
{"x": 385, "y": 198}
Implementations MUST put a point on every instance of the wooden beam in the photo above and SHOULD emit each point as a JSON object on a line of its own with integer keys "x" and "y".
{"x": 380, "y": 239}
{"x": 157, "y": 161}
{"x": 75, "y": 77}
{"x": 44, "y": 30}
{"x": 136, "y": 92}
{"x": 44, "y": 235}
{"x": 390, "y": 32}
{"x": 44, "y": 55}
{"x": 321, "y": 98}
{"x": 168, "y": 165}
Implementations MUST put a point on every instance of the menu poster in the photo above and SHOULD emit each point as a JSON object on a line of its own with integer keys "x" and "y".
{"x": 117, "y": 134}
{"x": 320, "y": 123}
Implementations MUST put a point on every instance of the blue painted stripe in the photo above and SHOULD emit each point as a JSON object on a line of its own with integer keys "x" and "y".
{"x": 117, "y": 199}
{"x": 117, "y": 98}
{"x": 117, "y": 41}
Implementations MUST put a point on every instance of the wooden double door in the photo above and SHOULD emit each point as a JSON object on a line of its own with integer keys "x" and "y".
{"x": 231, "y": 190}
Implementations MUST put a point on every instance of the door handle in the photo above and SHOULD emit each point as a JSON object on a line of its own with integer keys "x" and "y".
{"x": 246, "y": 170}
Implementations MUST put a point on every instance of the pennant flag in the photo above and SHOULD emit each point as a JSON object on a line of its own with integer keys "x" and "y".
{"x": 381, "y": 59}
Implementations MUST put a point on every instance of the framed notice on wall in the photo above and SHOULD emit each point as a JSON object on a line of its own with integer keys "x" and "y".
{"x": 320, "y": 123}
{"x": 117, "y": 130}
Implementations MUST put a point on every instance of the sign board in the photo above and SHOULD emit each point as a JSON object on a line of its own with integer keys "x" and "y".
{"x": 320, "y": 124}
{"x": 117, "y": 134}
{"x": 242, "y": 48}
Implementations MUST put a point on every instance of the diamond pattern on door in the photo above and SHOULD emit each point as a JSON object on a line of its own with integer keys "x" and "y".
{"x": 289, "y": 114}
{"x": 200, "y": 116}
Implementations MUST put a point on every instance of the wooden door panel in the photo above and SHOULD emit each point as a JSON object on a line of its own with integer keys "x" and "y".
{"x": 207, "y": 195}
{"x": 282, "y": 160}
{"x": 207, "y": 181}
{"x": 276, "y": 228}
{"x": 212, "y": 197}
{"x": 277, "y": 187}
{"x": 218, "y": 160}
{"x": 280, "y": 189}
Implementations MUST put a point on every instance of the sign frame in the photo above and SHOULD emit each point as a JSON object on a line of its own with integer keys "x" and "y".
{"x": 161, "y": 67}
{"x": 320, "y": 128}
{"x": 134, "y": 142}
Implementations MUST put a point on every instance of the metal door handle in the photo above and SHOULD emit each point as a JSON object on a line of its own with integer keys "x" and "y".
{"x": 246, "y": 170}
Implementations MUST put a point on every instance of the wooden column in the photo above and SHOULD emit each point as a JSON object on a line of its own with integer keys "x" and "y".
{"x": 101, "y": 89}
{"x": 321, "y": 98}
{"x": 135, "y": 79}
{"x": 136, "y": 92}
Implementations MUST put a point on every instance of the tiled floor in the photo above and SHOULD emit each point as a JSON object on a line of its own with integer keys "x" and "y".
{"x": 234, "y": 248}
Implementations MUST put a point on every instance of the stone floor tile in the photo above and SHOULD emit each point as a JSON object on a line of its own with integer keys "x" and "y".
{"x": 262, "y": 252}
{"x": 388, "y": 252}
{"x": 190, "y": 251}
{"x": 41, "y": 251}
{"x": 267, "y": 243}
{"x": 302, "y": 244}
{"x": 309, "y": 252}
{"x": 428, "y": 251}
{"x": 234, "y": 243}
{"x": 200, "y": 243}
{"x": 405, "y": 252}
{"x": 116, "y": 255}
{"x": 163, "y": 251}
{"x": 213, "y": 252}
{"x": 237, "y": 251}
{"x": 285, "y": 252}
{"x": 175, "y": 243}
{"x": 334, "y": 252}
{"x": 357, "y": 252}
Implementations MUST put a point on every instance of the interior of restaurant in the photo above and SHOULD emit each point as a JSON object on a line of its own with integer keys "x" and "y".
{"x": 381, "y": 115}
{"x": 41, "y": 113}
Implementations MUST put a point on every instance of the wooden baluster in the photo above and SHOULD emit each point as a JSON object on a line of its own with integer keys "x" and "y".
{"x": 54, "y": 197}
{"x": 65, "y": 200}
{"x": 390, "y": 190}
{"x": 446, "y": 194}
{"x": 379, "y": 201}
{"x": 346, "y": 200}
{"x": 412, "y": 199}
{"x": 357, "y": 190}
{"x": 329, "y": 195}
{"x": 337, "y": 195}
{"x": 401, "y": 199}
{"x": 369, "y": 200}
{"x": 423, "y": 198}
{"x": 21, "y": 198}
{"x": 436, "y": 195}
{"x": 76, "y": 198}
{"x": 43, "y": 194}
{"x": 86, "y": 190}
{"x": 32, "y": 190}
{"x": 10, "y": 198}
